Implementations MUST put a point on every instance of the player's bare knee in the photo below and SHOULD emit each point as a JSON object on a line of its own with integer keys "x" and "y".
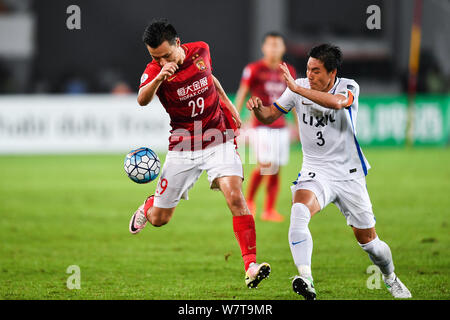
{"x": 236, "y": 203}
{"x": 235, "y": 199}
{"x": 364, "y": 236}
{"x": 365, "y": 239}
{"x": 158, "y": 221}
{"x": 159, "y": 217}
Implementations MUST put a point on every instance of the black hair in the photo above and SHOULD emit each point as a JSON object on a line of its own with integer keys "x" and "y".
{"x": 331, "y": 56}
{"x": 273, "y": 34}
{"x": 158, "y": 31}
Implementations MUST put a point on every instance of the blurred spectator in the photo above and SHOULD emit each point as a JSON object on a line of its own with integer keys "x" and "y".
{"x": 72, "y": 83}
{"x": 75, "y": 86}
{"x": 5, "y": 79}
{"x": 3, "y": 7}
{"x": 430, "y": 78}
{"x": 15, "y": 5}
{"x": 111, "y": 80}
{"x": 121, "y": 88}
{"x": 435, "y": 81}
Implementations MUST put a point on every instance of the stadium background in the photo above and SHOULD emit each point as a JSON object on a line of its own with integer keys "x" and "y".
{"x": 68, "y": 115}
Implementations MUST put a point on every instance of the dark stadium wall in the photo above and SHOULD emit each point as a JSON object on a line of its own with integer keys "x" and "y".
{"x": 108, "y": 46}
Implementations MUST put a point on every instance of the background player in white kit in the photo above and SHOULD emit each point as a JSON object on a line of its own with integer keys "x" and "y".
{"x": 334, "y": 166}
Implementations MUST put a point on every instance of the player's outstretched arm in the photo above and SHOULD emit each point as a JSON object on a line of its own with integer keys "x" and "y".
{"x": 241, "y": 95}
{"x": 223, "y": 96}
{"x": 325, "y": 99}
{"x": 265, "y": 114}
{"x": 147, "y": 92}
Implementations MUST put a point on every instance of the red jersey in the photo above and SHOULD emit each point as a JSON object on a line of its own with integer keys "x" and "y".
{"x": 190, "y": 98}
{"x": 267, "y": 84}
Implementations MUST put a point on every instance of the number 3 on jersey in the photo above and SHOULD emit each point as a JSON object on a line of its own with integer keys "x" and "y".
{"x": 321, "y": 139}
{"x": 198, "y": 104}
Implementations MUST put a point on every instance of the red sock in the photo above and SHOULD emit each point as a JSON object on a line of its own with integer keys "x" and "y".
{"x": 255, "y": 181}
{"x": 273, "y": 186}
{"x": 244, "y": 230}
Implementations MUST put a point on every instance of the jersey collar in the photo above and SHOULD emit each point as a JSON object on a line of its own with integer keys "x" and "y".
{"x": 336, "y": 82}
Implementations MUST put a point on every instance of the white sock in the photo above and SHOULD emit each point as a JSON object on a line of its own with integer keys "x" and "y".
{"x": 380, "y": 254}
{"x": 300, "y": 240}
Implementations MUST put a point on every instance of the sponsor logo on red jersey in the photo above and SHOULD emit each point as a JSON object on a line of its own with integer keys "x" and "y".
{"x": 194, "y": 89}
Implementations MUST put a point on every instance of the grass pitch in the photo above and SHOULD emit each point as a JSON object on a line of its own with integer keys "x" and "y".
{"x": 58, "y": 211}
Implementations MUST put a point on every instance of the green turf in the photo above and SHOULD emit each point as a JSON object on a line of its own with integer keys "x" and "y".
{"x": 58, "y": 211}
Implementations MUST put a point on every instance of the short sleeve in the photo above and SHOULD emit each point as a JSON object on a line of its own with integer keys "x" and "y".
{"x": 286, "y": 102}
{"x": 206, "y": 46}
{"x": 246, "y": 76}
{"x": 151, "y": 71}
{"x": 349, "y": 89}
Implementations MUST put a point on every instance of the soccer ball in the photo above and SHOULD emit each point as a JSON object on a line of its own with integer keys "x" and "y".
{"x": 142, "y": 165}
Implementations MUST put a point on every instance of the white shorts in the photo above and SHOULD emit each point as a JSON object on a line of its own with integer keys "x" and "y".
{"x": 270, "y": 145}
{"x": 350, "y": 196}
{"x": 183, "y": 168}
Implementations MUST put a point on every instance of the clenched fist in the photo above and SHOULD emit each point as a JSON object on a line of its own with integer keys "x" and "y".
{"x": 254, "y": 103}
{"x": 167, "y": 71}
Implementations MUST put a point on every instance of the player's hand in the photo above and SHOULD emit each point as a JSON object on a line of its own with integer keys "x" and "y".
{"x": 237, "y": 121}
{"x": 254, "y": 103}
{"x": 235, "y": 115}
{"x": 290, "y": 82}
{"x": 167, "y": 71}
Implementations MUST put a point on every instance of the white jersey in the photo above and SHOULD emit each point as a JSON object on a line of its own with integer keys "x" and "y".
{"x": 328, "y": 136}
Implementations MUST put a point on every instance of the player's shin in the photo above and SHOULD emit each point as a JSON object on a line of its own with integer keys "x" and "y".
{"x": 273, "y": 186}
{"x": 244, "y": 230}
{"x": 255, "y": 181}
{"x": 300, "y": 239}
{"x": 380, "y": 254}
